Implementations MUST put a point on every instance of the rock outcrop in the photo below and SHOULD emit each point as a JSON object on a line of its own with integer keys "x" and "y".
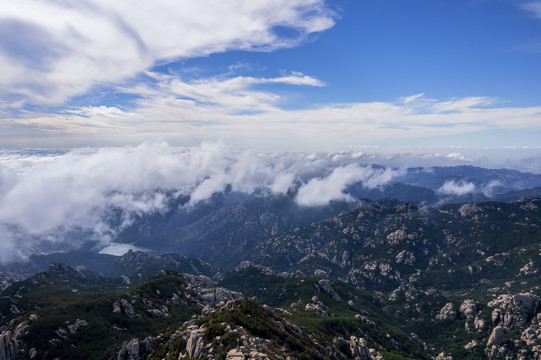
{"x": 447, "y": 313}
{"x": 326, "y": 286}
{"x": 130, "y": 350}
{"x": 359, "y": 349}
{"x": 405, "y": 257}
{"x": 532, "y": 334}
{"x": 497, "y": 337}
{"x": 468, "y": 308}
{"x": 514, "y": 311}
{"x": 123, "y": 306}
{"x": 496, "y": 343}
{"x": 9, "y": 349}
{"x": 317, "y": 306}
{"x": 196, "y": 342}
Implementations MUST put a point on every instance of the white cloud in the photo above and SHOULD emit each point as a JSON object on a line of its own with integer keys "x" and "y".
{"x": 57, "y": 50}
{"x": 534, "y": 7}
{"x": 45, "y": 195}
{"x": 232, "y": 111}
{"x": 101, "y": 191}
{"x": 460, "y": 188}
{"x": 282, "y": 183}
{"x": 98, "y": 110}
{"x": 457, "y": 188}
{"x": 320, "y": 191}
{"x": 488, "y": 189}
{"x": 455, "y": 156}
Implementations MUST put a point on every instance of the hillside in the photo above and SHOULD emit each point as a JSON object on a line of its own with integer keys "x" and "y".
{"x": 390, "y": 280}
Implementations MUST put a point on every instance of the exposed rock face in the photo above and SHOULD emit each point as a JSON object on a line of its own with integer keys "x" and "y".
{"x": 495, "y": 344}
{"x": 532, "y": 334}
{"x": 442, "y": 356}
{"x": 9, "y": 348}
{"x": 468, "y": 210}
{"x": 125, "y": 307}
{"x": 65, "y": 332}
{"x": 471, "y": 344}
{"x": 212, "y": 297}
{"x": 196, "y": 343}
{"x": 234, "y": 354}
{"x": 159, "y": 313}
{"x": 325, "y": 285}
{"x": 8, "y": 278}
{"x": 479, "y": 323}
{"x": 321, "y": 273}
{"x": 447, "y": 313}
{"x": 317, "y": 306}
{"x": 358, "y": 348}
{"x": 73, "y": 328}
{"x": 20, "y": 330}
{"x": 354, "y": 348}
{"x": 468, "y": 308}
{"x": 405, "y": 257}
{"x": 497, "y": 337}
{"x": 130, "y": 350}
{"x": 513, "y": 311}
{"x": 247, "y": 264}
{"x": 529, "y": 269}
{"x": 397, "y": 236}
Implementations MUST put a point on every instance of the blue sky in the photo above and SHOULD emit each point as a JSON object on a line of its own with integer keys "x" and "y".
{"x": 301, "y": 75}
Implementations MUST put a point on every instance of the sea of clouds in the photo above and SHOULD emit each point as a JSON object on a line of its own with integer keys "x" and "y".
{"x": 46, "y": 195}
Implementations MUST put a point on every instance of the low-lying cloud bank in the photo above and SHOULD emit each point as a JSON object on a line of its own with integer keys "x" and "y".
{"x": 462, "y": 188}
{"x": 321, "y": 191}
{"x": 46, "y": 197}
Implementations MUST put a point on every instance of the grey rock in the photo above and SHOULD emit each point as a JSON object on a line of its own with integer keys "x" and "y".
{"x": 405, "y": 257}
{"x": 317, "y": 306}
{"x": 321, "y": 273}
{"x": 532, "y": 334}
{"x": 73, "y": 328}
{"x": 195, "y": 343}
{"x": 326, "y": 286}
{"x": 125, "y": 307}
{"x": 158, "y": 313}
{"x": 442, "y": 356}
{"x": 468, "y": 308}
{"x": 148, "y": 344}
{"x": 20, "y": 330}
{"x": 9, "y": 348}
{"x": 468, "y": 210}
{"x": 214, "y": 296}
{"x": 358, "y": 348}
{"x": 513, "y": 311}
{"x": 247, "y": 264}
{"x": 130, "y": 350}
{"x": 497, "y": 337}
{"x": 447, "y": 313}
